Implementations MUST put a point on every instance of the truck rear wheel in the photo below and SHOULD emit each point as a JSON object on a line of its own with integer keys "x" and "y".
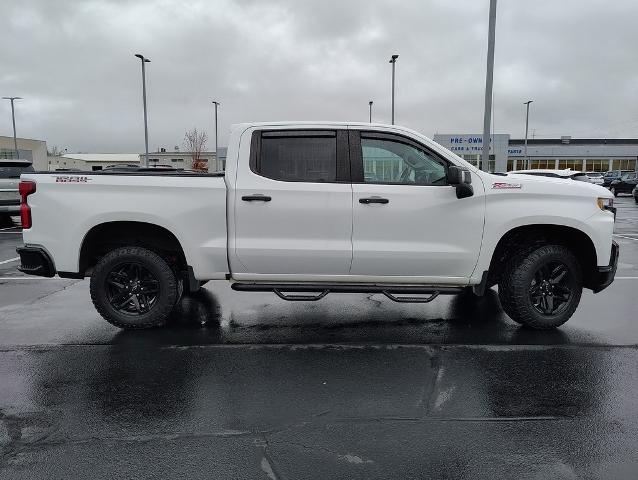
{"x": 541, "y": 288}
{"x": 134, "y": 288}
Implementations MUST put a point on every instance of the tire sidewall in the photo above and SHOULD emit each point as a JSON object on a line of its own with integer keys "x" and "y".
{"x": 156, "y": 265}
{"x": 514, "y": 290}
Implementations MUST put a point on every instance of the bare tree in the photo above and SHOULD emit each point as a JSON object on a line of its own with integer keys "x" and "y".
{"x": 56, "y": 151}
{"x": 195, "y": 142}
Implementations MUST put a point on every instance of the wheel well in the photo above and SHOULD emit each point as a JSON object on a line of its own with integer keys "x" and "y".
{"x": 105, "y": 237}
{"x": 528, "y": 236}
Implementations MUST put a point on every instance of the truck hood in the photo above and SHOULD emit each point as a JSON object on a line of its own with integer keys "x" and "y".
{"x": 540, "y": 184}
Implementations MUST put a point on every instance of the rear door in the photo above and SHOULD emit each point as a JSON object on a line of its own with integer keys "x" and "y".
{"x": 293, "y": 206}
{"x": 407, "y": 221}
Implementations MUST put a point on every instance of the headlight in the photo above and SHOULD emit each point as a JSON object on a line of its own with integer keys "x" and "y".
{"x": 605, "y": 203}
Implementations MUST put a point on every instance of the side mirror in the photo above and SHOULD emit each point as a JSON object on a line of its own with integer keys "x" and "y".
{"x": 462, "y": 179}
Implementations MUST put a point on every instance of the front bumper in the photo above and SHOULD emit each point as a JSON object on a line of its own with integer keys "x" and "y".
{"x": 605, "y": 275}
{"x": 35, "y": 261}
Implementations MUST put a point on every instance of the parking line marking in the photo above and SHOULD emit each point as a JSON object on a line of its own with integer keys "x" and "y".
{"x": 10, "y": 260}
{"x": 628, "y": 238}
{"x": 2, "y": 279}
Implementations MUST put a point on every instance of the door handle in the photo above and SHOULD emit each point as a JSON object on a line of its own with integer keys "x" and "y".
{"x": 256, "y": 198}
{"x": 374, "y": 200}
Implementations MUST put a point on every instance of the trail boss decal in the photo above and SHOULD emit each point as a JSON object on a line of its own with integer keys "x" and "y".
{"x": 72, "y": 179}
{"x": 504, "y": 186}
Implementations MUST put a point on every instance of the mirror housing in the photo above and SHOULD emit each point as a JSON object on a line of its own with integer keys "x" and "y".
{"x": 462, "y": 179}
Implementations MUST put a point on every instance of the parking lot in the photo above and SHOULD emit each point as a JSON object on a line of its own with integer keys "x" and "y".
{"x": 353, "y": 386}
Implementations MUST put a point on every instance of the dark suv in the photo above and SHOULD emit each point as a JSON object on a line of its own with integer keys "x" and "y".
{"x": 612, "y": 175}
{"x": 624, "y": 184}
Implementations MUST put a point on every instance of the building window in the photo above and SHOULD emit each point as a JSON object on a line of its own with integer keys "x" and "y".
{"x": 153, "y": 160}
{"x": 572, "y": 164}
{"x": 597, "y": 165}
{"x": 544, "y": 163}
{"x": 96, "y": 168}
{"x": 624, "y": 164}
{"x": 175, "y": 160}
{"x": 512, "y": 164}
{"x": 7, "y": 154}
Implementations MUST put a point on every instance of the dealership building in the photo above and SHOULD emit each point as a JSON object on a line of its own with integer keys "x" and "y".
{"x": 584, "y": 154}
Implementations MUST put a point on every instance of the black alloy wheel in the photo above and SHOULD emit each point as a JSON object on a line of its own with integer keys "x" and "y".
{"x": 132, "y": 289}
{"x": 551, "y": 288}
{"x": 541, "y": 286}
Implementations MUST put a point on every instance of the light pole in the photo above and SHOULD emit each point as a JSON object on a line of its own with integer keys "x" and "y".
{"x": 13, "y": 118}
{"x": 526, "y": 129}
{"x": 370, "y": 104}
{"x": 216, "y": 103}
{"x": 144, "y": 61}
{"x": 393, "y": 61}
{"x": 489, "y": 77}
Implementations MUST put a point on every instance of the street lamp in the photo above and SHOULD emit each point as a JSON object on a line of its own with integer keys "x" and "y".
{"x": 13, "y": 118}
{"x": 526, "y": 129}
{"x": 489, "y": 78}
{"x": 393, "y": 61}
{"x": 370, "y": 104}
{"x": 144, "y": 60}
{"x": 216, "y": 103}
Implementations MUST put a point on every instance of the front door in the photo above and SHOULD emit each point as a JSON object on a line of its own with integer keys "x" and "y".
{"x": 407, "y": 221}
{"x": 293, "y": 206}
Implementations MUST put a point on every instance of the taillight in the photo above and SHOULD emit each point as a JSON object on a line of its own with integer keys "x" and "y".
{"x": 25, "y": 188}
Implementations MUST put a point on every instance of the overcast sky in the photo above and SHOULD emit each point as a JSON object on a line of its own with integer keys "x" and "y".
{"x": 73, "y": 63}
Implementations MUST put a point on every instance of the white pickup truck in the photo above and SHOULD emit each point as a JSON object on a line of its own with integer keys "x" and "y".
{"x": 307, "y": 209}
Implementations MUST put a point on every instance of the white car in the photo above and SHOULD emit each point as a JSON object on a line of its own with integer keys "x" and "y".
{"x": 555, "y": 173}
{"x": 10, "y": 171}
{"x": 595, "y": 177}
{"x": 307, "y": 209}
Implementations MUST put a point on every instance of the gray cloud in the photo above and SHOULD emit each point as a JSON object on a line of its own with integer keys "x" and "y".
{"x": 73, "y": 63}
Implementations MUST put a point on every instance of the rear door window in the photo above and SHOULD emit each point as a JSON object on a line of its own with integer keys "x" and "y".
{"x": 298, "y": 156}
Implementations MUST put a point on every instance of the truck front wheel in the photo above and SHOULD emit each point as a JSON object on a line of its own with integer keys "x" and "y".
{"x": 541, "y": 288}
{"x": 133, "y": 288}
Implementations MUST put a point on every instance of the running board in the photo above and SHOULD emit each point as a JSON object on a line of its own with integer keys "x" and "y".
{"x": 393, "y": 292}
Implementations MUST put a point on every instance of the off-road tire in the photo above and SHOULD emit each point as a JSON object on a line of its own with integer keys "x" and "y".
{"x": 166, "y": 299}
{"x": 613, "y": 191}
{"x": 514, "y": 286}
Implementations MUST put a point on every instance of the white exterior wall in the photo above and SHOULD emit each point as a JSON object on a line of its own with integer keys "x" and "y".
{"x": 37, "y": 149}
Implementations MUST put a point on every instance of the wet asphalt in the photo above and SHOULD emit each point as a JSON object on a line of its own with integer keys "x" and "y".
{"x": 246, "y": 385}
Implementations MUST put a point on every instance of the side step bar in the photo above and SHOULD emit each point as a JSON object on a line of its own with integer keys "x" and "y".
{"x": 323, "y": 289}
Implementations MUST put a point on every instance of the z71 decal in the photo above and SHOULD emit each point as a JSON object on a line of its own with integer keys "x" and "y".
{"x": 72, "y": 179}
{"x": 503, "y": 186}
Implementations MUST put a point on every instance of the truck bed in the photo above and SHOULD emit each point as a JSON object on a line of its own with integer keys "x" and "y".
{"x": 190, "y": 205}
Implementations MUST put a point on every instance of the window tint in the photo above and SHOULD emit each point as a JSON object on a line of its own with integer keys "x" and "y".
{"x": 390, "y": 161}
{"x": 299, "y": 158}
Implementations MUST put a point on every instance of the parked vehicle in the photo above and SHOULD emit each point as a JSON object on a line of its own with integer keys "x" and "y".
{"x": 634, "y": 192}
{"x": 306, "y": 209}
{"x": 10, "y": 171}
{"x": 595, "y": 177}
{"x": 612, "y": 175}
{"x": 625, "y": 184}
{"x": 548, "y": 172}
